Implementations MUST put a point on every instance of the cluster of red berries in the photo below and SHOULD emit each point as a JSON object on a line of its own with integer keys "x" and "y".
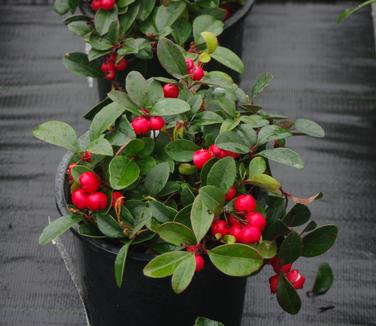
{"x": 102, "y": 4}
{"x": 245, "y": 230}
{"x": 109, "y": 66}
{"x": 142, "y": 124}
{"x": 201, "y": 156}
{"x": 196, "y": 71}
{"x": 293, "y": 275}
{"x": 200, "y": 262}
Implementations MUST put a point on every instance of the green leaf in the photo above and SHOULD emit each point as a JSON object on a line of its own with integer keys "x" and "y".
{"x": 170, "y": 106}
{"x": 254, "y": 121}
{"x": 228, "y": 59}
{"x": 309, "y": 128}
{"x": 104, "y": 119}
{"x": 57, "y": 133}
{"x": 126, "y": 21}
{"x": 79, "y": 64}
{"x": 100, "y": 146}
{"x": 231, "y": 141}
{"x": 284, "y": 156}
{"x": 183, "y": 274}
{"x": 274, "y": 230}
{"x": 177, "y": 234}
{"x": 79, "y": 27}
{"x": 287, "y": 296}
{"x": 100, "y": 43}
{"x": 213, "y": 198}
{"x": 291, "y": 248}
{"x": 166, "y": 15}
{"x": 181, "y": 150}
{"x": 171, "y": 58}
{"x": 298, "y": 215}
{"x": 257, "y": 166}
{"x": 136, "y": 86}
{"x": 201, "y": 321}
{"x": 201, "y": 218}
{"x": 236, "y": 259}
{"x": 319, "y": 241}
{"x": 348, "y": 12}
{"x": 164, "y": 265}
{"x": 161, "y": 212}
{"x": 108, "y": 226}
{"x": 223, "y": 174}
{"x": 324, "y": 280}
{"x": 104, "y": 19}
{"x": 270, "y": 133}
{"x": 90, "y": 231}
{"x": 205, "y": 171}
{"x": 58, "y": 227}
{"x": 157, "y": 178}
{"x": 206, "y": 23}
{"x": 61, "y": 6}
{"x": 262, "y": 81}
{"x": 124, "y": 100}
{"x": 266, "y": 249}
{"x": 123, "y": 172}
{"x": 265, "y": 181}
{"x": 120, "y": 264}
{"x": 142, "y": 216}
{"x": 207, "y": 118}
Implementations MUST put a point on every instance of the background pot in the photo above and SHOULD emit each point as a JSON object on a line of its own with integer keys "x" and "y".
{"x": 232, "y": 38}
{"x": 143, "y": 301}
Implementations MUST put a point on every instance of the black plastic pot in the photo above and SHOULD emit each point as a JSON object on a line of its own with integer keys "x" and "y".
{"x": 144, "y": 301}
{"x": 232, "y": 38}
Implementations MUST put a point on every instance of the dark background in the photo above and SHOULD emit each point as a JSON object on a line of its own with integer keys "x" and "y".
{"x": 323, "y": 71}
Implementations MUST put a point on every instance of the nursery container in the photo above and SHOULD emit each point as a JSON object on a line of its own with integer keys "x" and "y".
{"x": 143, "y": 301}
{"x": 232, "y": 38}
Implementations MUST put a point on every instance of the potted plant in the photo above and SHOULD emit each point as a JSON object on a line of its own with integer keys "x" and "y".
{"x": 122, "y": 35}
{"x": 176, "y": 182}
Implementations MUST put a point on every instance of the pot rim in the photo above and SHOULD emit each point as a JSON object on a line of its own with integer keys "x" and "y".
{"x": 239, "y": 14}
{"x": 61, "y": 205}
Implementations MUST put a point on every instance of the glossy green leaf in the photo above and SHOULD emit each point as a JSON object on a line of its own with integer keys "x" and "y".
{"x": 270, "y": 133}
{"x": 124, "y": 100}
{"x": 181, "y": 150}
{"x": 284, "y": 156}
{"x": 291, "y": 248}
{"x": 265, "y": 181}
{"x": 166, "y": 15}
{"x": 298, "y": 215}
{"x": 231, "y": 141}
{"x": 202, "y": 321}
{"x": 324, "y": 280}
{"x": 176, "y": 233}
{"x": 228, "y": 58}
{"x": 262, "y": 81}
{"x": 236, "y": 259}
{"x": 161, "y": 212}
{"x": 57, "y": 133}
{"x": 104, "y": 19}
{"x": 319, "y": 241}
{"x": 123, "y": 172}
{"x": 222, "y": 174}
{"x": 120, "y": 264}
{"x": 58, "y": 227}
{"x": 136, "y": 86}
{"x": 183, "y": 274}
{"x": 206, "y": 23}
{"x": 79, "y": 64}
{"x": 142, "y": 215}
{"x": 201, "y": 218}
{"x": 170, "y": 106}
{"x": 100, "y": 146}
{"x": 157, "y": 178}
{"x": 287, "y": 296}
{"x": 108, "y": 226}
{"x": 164, "y": 265}
{"x": 171, "y": 58}
{"x": 309, "y": 128}
{"x": 257, "y": 166}
{"x": 213, "y": 198}
{"x": 266, "y": 249}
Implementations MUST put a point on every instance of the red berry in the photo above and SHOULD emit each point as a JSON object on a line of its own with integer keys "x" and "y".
{"x": 233, "y": 220}
{"x": 170, "y": 90}
{"x": 273, "y": 282}
{"x": 215, "y": 150}
{"x": 122, "y": 65}
{"x": 156, "y": 123}
{"x": 200, "y": 157}
{"x": 107, "y": 4}
{"x": 250, "y": 234}
{"x": 190, "y": 64}
{"x": 107, "y": 66}
{"x": 110, "y": 75}
{"x": 225, "y": 153}
{"x": 245, "y": 203}
{"x": 200, "y": 263}
{"x": 197, "y": 73}
{"x": 140, "y": 125}
{"x": 117, "y": 196}
{"x": 257, "y": 220}
{"x": 296, "y": 279}
{"x": 236, "y": 231}
{"x": 231, "y": 193}
{"x": 192, "y": 248}
{"x": 89, "y": 182}
{"x": 69, "y": 170}
{"x": 276, "y": 264}
{"x": 86, "y": 157}
{"x": 79, "y": 199}
{"x": 219, "y": 228}
{"x": 96, "y": 5}
{"x": 96, "y": 201}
